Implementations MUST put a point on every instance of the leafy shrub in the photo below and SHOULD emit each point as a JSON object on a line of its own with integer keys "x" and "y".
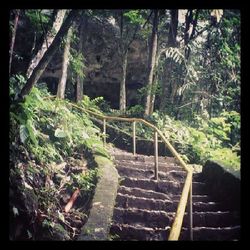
{"x": 16, "y": 83}
{"x": 136, "y": 111}
{"x": 207, "y": 139}
{"x": 52, "y": 129}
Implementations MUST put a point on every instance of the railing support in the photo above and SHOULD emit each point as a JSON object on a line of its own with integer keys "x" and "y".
{"x": 134, "y": 140}
{"x": 104, "y": 131}
{"x": 191, "y": 212}
{"x": 156, "y": 154}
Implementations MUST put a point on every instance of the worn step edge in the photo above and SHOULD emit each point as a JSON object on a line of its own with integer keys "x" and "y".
{"x": 130, "y": 201}
{"x": 138, "y": 232}
{"x": 163, "y": 186}
{"x": 161, "y": 219}
{"x": 146, "y": 217}
{"x": 140, "y": 192}
{"x": 149, "y": 173}
{"x": 213, "y": 219}
{"x": 146, "y": 165}
{"x": 98, "y": 225}
{"x": 213, "y": 233}
{"x": 195, "y": 197}
{"x": 143, "y": 158}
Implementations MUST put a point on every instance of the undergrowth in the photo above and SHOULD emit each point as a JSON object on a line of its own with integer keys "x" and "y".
{"x": 198, "y": 140}
{"x": 51, "y": 155}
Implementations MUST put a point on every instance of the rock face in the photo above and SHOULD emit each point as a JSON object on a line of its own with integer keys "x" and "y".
{"x": 103, "y": 71}
{"x": 223, "y": 184}
{"x": 103, "y": 65}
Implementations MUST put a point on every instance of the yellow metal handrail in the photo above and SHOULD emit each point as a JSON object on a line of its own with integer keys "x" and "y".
{"x": 187, "y": 189}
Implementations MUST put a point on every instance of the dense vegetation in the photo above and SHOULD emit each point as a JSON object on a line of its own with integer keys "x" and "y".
{"x": 184, "y": 69}
{"x": 51, "y": 156}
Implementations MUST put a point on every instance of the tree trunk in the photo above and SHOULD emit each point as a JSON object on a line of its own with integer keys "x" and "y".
{"x": 39, "y": 69}
{"x": 123, "y": 82}
{"x": 173, "y": 29}
{"x": 79, "y": 80}
{"x": 151, "y": 65}
{"x": 154, "y": 85}
{"x": 168, "y": 64}
{"x": 47, "y": 41}
{"x": 63, "y": 79}
{"x": 123, "y": 51}
{"x": 152, "y": 102}
{"x": 165, "y": 84}
{"x": 13, "y": 38}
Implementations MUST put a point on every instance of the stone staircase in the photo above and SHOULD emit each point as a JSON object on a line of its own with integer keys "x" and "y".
{"x": 145, "y": 208}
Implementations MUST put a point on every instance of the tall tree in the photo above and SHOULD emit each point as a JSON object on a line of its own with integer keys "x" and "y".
{"x": 130, "y": 22}
{"x": 172, "y": 42}
{"x": 79, "y": 79}
{"x": 39, "y": 69}
{"x": 151, "y": 63}
{"x": 17, "y": 13}
{"x": 65, "y": 62}
{"x": 47, "y": 41}
{"x": 124, "y": 61}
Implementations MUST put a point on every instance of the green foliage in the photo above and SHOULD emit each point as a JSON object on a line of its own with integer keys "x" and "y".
{"x": 77, "y": 64}
{"x": 24, "y": 134}
{"x": 219, "y": 128}
{"x": 52, "y": 130}
{"x": 16, "y": 83}
{"x": 226, "y": 157}
{"x": 136, "y": 111}
{"x": 38, "y": 18}
{"x": 93, "y": 104}
{"x": 233, "y": 118}
{"x": 209, "y": 140}
{"x": 85, "y": 181}
{"x": 134, "y": 16}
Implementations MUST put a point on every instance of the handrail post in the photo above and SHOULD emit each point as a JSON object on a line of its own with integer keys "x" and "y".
{"x": 191, "y": 212}
{"x": 104, "y": 131}
{"x": 134, "y": 141}
{"x": 156, "y": 154}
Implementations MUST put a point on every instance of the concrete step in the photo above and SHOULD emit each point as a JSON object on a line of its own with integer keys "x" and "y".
{"x": 160, "y": 186}
{"x": 125, "y": 156}
{"x": 139, "y": 192}
{"x": 147, "y": 165}
{"x": 138, "y": 232}
{"x": 148, "y": 218}
{"x": 149, "y": 173}
{"x": 213, "y": 233}
{"x": 213, "y": 219}
{"x": 197, "y": 197}
{"x": 130, "y": 201}
{"x": 201, "y": 206}
{"x": 163, "y": 186}
{"x": 145, "y": 209}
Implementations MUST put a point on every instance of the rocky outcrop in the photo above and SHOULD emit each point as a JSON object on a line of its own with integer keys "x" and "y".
{"x": 224, "y": 184}
{"x": 103, "y": 69}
